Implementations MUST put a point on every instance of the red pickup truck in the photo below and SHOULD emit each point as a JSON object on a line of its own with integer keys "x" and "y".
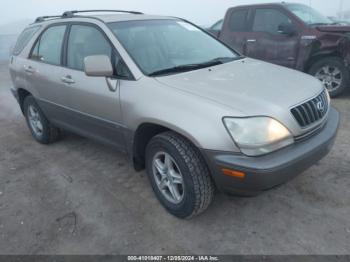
{"x": 291, "y": 35}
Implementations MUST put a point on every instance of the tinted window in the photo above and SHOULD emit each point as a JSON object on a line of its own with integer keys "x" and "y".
{"x": 24, "y": 38}
{"x": 49, "y": 46}
{"x": 269, "y": 20}
{"x": 238, "y": 21}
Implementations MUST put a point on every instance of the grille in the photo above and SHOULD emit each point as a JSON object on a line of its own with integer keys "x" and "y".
{"x": 311, "y": 111}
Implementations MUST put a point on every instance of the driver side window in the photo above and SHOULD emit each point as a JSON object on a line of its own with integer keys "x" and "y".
{"x": 85, "y": 40}
{"x": 269, "y": 21}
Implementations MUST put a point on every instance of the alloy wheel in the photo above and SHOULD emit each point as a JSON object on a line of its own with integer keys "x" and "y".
{"x": 35, "y": 121}
{"x": 330, "y": 76}
{"x": 168, "y": 177}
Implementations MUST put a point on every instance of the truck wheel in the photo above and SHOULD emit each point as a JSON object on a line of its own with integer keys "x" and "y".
{"x": 178, "y": 174}
{"x": 40, "y": 127}
{"x": 332, "y": 72}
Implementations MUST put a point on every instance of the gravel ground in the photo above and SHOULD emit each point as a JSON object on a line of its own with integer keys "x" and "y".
{"x": 79, "y": 197}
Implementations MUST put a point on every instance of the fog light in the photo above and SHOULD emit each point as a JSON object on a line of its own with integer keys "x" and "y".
{"x": 233, "y": 173}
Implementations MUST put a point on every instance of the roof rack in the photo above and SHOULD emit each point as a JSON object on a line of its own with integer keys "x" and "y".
{"x": 69, "y": 14}
{"x": 43, "y": 18}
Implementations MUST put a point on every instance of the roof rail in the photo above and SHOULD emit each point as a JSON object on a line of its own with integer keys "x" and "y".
{"x": 43, "y": 18}
{"x": 69, "y": 14}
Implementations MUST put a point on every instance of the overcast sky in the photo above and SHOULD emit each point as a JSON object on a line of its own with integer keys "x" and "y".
{"x": 203, "y": 12}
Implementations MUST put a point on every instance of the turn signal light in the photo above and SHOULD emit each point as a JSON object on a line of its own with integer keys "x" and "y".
{"x": 233, "y": 173}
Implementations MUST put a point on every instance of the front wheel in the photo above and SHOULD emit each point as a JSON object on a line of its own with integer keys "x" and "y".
{"x": 178, "y": 175}
{"x": 332, "y": 72}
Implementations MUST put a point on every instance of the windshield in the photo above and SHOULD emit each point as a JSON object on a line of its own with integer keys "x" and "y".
{"x": 157, "y": 46}
{"x": 309, "y": 15}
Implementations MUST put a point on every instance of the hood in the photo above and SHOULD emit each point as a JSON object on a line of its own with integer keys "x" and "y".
{"x": 334, "y": 28}
{"x": 249, "y": 86}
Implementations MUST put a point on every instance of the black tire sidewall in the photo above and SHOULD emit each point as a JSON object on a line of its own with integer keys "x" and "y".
{"x": 186, "y": 206}
{"x": 45, "y": 137}
{"x": 337, "y": 62}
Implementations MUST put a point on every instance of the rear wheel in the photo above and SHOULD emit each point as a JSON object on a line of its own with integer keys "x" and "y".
{"x": 42, "y": 130}
{"x": 332, "y": 72}
{"x": 178, "y": 175}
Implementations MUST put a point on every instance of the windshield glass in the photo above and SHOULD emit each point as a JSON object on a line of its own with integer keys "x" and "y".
{"x": 160, "y": 45}
{"x": 309, "y": 15}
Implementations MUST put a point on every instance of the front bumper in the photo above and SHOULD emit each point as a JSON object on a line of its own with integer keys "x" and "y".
{"x": 266, "y": 172}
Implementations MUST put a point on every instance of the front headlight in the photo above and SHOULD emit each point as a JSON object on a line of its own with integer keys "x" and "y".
{"x": 258, "y": 135}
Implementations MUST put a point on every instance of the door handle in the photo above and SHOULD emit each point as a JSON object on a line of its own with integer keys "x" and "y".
{"x": 67, "y": 79}
{"x": 251, "y": 40}
{"x": 29, "y": 69}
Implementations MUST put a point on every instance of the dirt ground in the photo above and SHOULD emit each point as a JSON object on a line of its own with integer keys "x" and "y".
{"x": 79, "y": 197}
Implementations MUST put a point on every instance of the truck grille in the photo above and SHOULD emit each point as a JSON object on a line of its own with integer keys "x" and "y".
{"x": 311, "y": 111}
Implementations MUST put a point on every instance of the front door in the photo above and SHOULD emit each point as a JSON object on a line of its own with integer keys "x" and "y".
{"x": 266, "y": 41}
{"x": 94, "y": 108}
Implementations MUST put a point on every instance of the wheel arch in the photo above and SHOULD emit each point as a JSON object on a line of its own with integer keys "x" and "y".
{"x": 22, "y": 94}
{"x": 143, "y": 134}
{"x": 322, "y": 55}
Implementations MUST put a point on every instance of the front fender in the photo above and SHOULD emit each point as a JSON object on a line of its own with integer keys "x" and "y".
{"x": 196, "y": 118}
{"x": 327, "y": 45}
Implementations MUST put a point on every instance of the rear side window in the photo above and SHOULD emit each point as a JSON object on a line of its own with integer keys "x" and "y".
{"x": 269, "y": 20}
{"x": 238, "y": 21}
{"x": 48, "y": 48}
{"x": 24, "y": 39}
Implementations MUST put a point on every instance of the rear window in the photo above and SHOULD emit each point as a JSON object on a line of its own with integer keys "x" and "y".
{"x": 24, "y": 38}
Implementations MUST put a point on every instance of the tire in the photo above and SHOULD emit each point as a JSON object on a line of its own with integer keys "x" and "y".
{"x": 329, "y": 79}
{"x": 197, "y": 191}
{"x": 48, "y": 133}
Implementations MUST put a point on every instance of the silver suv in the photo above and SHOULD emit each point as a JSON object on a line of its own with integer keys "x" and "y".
{"x": 193, "y": 112}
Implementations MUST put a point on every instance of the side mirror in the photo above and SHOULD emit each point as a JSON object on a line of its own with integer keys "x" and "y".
{"x": 98, "y": 65}
{"x": 287, "y": 29}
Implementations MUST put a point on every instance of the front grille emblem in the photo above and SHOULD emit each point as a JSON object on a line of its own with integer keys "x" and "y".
{"x": 320, "y": 106}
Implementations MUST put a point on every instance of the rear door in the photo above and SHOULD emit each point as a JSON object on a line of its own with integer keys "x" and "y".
{"x": 235, "y": 29}
{"x": 267, "y": 43}
{"x": 43, "y": 71}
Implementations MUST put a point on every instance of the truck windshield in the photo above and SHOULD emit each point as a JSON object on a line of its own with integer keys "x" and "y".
{"x": 309, "y": 15}
{"x": 161, "y": 47}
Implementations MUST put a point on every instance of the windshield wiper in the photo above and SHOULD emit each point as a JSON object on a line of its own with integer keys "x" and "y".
{"x": 190, "y": 67}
